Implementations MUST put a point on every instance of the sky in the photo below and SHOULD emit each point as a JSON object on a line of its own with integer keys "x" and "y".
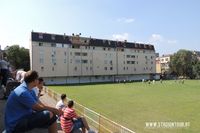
{"x": 169, "y": 25}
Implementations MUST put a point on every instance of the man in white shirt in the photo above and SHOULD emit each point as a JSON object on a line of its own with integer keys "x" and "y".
{"x": 62, "y": 103}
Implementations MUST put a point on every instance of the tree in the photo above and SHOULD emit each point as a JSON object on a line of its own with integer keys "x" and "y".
{"x": 196, "y": 69}
{"x": 18, "y": 57}
{"x": 183, "y": 63}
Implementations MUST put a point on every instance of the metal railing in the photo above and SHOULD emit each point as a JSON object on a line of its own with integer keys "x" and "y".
{"x": 97, "y": 121}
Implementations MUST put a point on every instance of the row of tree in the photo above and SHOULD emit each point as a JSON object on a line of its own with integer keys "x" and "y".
{"x": 18, "y": 57}
{"x": 186, "y": 64}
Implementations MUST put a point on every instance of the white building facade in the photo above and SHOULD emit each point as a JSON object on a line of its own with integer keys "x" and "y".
{"x": 62, "y": 59}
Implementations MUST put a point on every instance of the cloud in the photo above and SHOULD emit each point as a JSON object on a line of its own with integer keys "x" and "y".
{"x": 126, "y": 20}
{"x": 172, "y": 41}
{"x": 156, "y": 38}
{"x": 120, "y": 37}
{"x": 159, "y": 38}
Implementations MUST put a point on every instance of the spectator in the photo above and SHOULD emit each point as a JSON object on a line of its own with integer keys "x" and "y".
{"x": 38, "y": 89}
{"x": 4, "y": 66}
{"x": 20, "y": 75}
{"x": 19, "y": 114}
{"x": 62, "y": 103}
{"x": 70, "y": 122}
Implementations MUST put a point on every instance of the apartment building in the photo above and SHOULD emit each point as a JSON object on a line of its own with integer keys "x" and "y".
{"x": 158, "y": 66}
{"x": 63, "y": 59}
{"x": 163, "y": 64}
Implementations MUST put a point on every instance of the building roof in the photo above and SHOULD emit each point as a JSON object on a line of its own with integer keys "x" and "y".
{"x": 77, "y": 40}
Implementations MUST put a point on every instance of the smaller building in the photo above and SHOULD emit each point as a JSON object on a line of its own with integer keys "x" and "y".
{"x": 162, "y": 66}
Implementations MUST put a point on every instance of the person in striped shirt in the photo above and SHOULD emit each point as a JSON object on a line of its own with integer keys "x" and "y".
{"x": 70, "y": 121}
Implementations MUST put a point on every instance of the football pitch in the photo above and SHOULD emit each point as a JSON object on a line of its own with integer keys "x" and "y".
{"x": 167, "y": 107}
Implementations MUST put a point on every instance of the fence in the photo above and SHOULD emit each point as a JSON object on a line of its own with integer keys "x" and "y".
{"x": 97, "y": 121}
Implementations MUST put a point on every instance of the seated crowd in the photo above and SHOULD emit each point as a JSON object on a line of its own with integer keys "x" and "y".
{"x": 24, "y": 111}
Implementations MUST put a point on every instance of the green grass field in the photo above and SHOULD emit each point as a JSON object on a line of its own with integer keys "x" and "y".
{"x": 134, "y": 104}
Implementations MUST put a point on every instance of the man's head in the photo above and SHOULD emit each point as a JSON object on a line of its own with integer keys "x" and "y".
{"x": 63, "y": 97}
{"x": 31, "y": 77}
{"x": 70, "y": 103}
{"x": 40, "y": 83}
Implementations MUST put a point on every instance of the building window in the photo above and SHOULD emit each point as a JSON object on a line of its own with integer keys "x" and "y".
{"x": 76, "y": 46}
{"x": 52, "y": 68}
{"x": 75, "y": 68}
{"x": 132, "y": 56}
{"x": 41, "y": 36}
{"x": 53, "y": 61}
{"x": 93, "y": 47}
{"x": 59, "y": 45}
{"x": 42, "y": 68}
{"x": 84, "y": 54}
{"x": 84, "y": 61}
{"x": 40, "y": 44}
{"x": 41, "y": 61}
{"x": 77, "y": 53}
{"x": 53, "y": 45}
{"x": 77, "y": 61}
{"x": 105, "y": 68}
{"x": 111, "y": 68}
{"x": 65, "y": 60}
{"x": 53, "y": 37}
